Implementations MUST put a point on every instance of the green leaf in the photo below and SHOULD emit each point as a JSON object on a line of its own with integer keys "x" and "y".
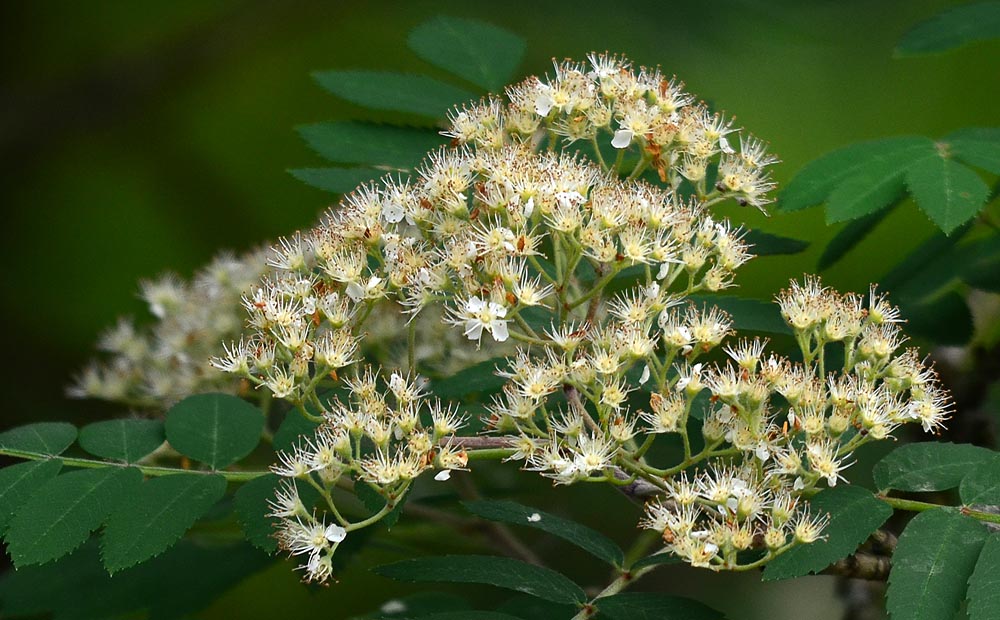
{"x": 336, "y": 180}
{"x": 984, "y": 585}
{"x": 481, "y": 53}
{"x": 931, "y": 565}
{"x": 767, "y": 244}
{"x": 849, "y": 237}
{"x": 367, "y": 143}
{"x": 929, "y": 466}
{"x": 40, "y": 438}
{"x": 291, "y": 431}
{"x": 977, "y": 146}
{"x": 654, "y": 606}
{"x": 216, "y": 429}
{"x": 491, "y": 570}
{"x": 820, "y": 177}
{"x": 480, "y": 378}
{"x": 125, "y": 440}
{"x": 948, "y": 192}
{"x": 251, "y": 504}
{"x": 19, "y": 482}
{"x": 981, "y": 267}
{"x": 65, "y": 510}
{"x": 394, "y": 92}
{"x": 589, "y": 540}
{"x": 656, "y": 559}
{"x": 953, "y": 28}
{"x": 748, "y": 314}
{"x": 156, "y": 516}
{"x": 982, "y": 484}
{"x": 854, "y": 515}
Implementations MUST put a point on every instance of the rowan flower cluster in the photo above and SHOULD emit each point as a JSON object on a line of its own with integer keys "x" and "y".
{"x": 579, "y": 284}
{"x": 606, "y": 104}
{"x": 152, "y": 367}
{"x": 378, "y": 437}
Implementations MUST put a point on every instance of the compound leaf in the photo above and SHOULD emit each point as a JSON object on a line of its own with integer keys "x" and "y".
{"x": 984, "y": 585}
{"x": 931, "y": 565}
{"x": 65, "y": 510}
{"x": 216, "y": 429}
{"x": 591, "y": 541}
{"x": 982, "y": 484}
{"x": 854, "y": 514}
{"x": 156, "y": 516}
{"x": 953, "y": 28}
{"x": 654, "y": 606}
{"x": 125, "y": 440}
{"x": 19, "y": 482}
{"x": 948, "y": 192}
{"x": 394, "y": 92}
{"x": 336, "y": 180}
{"x": 928, "y": 466}
{"x": 350, "y": 142}
{"x": 977, "y": 146}
{"x": 50, "y": 438}
{"x": 481, "y": 53}
{"x": 491, "y": 570}
{"x": 820, "y": 177}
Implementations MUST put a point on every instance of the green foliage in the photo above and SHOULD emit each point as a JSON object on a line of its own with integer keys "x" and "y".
{"x": 977, "y": 146}
{"x": 850, "y": 236}
{"x": 350, "y": 142}
{"x": 216, "y": 429}
{"x": 982, "y": 484}
{"x": 930, "y": 466}
{"x": 767, "y": 244}
{"x": 479, "y": 378}
{"x": 589, "y": 540}
{"x": 862, "y": 179}
{"x": 156, "y": 516}
{"x": 984, "y": 584}
{"x": 291, "y": 430}
{"x": 125, "y": 440}
{"x": 336, "y": 180}
{"x": 951, "y": 29}
{"x": 854, "y": 515}
{"x": 50, "y": 438}
{"x": 932, "y": 563}
{"x": 182, "y": 581}
{"x": 18, "y": 482}
{"x": 251, "y": 504}
{"x": 654, "y": 606}
{"x": 492, "y": 570}
{"x": 956, "y": 193}
{"x": 748, "y": 314}
{"x": 466, "y": 615}
{"x": 481, "y": 53}
{"x": 65, "y": 510}
{"x": 395, "y": 92}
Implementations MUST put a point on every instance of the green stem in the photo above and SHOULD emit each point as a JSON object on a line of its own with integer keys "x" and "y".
{"x": 147, "y": 470}
{"x": 913, "y": 505}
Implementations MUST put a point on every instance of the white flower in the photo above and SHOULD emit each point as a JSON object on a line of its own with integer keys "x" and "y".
{"x": 393, "y": 212}
{"x": 370, "y": 290}
{"x": 480, "y": 314}
{"x": 334, "y": 533}
{"x": 623, "y": 138}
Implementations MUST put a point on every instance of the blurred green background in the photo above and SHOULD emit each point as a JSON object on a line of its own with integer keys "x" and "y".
{"x": 139, "y": 137}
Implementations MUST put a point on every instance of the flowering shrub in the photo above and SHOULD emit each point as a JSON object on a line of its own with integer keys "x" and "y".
{"x": 564, "y": 245}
